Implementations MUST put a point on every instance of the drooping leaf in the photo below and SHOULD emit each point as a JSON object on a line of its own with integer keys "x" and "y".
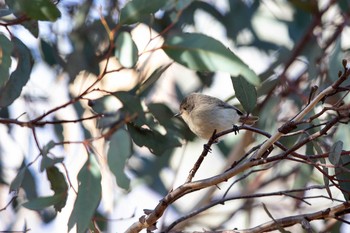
{"x": 204, "y": 53}
{"x": 58, "y": 185}
{"x": 148, "y": 83}
{"x": 343, "y": 176}
{"x": 126, "y": 50}
{"x": 32, "y": 26}
{"x": 41, "y": 203}
{"x": 135, "y": 10}
{"x": 163, "y": 114}
{"x": 57, "y": 180}
{"x": 47, "y": 162}
{"x": 18, "y": 79}
{"x": 5, "y": 58}
{"x": 335, "y": 152}
{"x": 51, "y": 144}
{"x": 245, "y": 93}
{"x": 153, "y": 140}
{"x": 50, "y": 53}
{"x": 131, "y": 106}
{"x": 89, "y": 195}
{"x": 120, "y": 149}
{"x": 17, "y": 182}
{"x": 36, "y": 9}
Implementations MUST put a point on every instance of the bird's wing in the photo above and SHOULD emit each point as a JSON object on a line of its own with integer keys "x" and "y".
{"x": 226, "y": 105}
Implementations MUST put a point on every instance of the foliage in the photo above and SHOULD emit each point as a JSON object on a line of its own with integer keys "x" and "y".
{"x": 96, "y": 123}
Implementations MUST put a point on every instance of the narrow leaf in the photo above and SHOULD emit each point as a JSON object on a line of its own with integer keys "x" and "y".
{"x": 148, "y": 83}
{"x": 89, "y": 195}
{"x": 135, "y": 10}
{"x": 120, "y": 149}
{"x": 17, "y": 182}
{"x": 47, "y": 162}
{"x": 43, "y": 202}
{"x": 5, "y": 58}
{"x": 58, "y": 185}
{"x": 342, "y": 173}
{"x": 204, "y": 53}
{"x": 18, "y": 79}
{"x": 335, "y": 152}
{"x": 245, "y": 93}
{"x": 126, "y": 50}
{"x": 36, "y": 9}
{"x": 153, "y": 140}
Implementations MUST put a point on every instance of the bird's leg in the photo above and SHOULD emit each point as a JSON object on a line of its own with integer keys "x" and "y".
{"x": 235, "y": 129}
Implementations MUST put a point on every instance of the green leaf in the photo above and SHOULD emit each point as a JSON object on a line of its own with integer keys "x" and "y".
{"x": 89, "y": 195}
{"x": 18, "y": 79}
{"x": 342, "y": 173}
{"x": 51, "y": 144}
{"x": 5, "y": 12}
{"x": 5, "y": 58}
{"x": 57, "y": 180}
{"x": 36, "y": 9}
{"x": 148, "y": 83}
{"x": 163, "y": 114}
{"x": 335, "y": 152}
{"x": 50, "y": 53}
{"x": 43, "y": 202}
{"x": 32, "y": 26}
{"x": 126, "y": 50}
{"x": 131, "y": 105}
{"x": 47, "y": 162}
{"x": 245, "y": 93}
{"x": 135, "y": 10}
{"x": 204, "y": 53}
{"x": 120, "y": 149}
{"x": 344, "y": 5}
{"x": 58, "y": 185}
{"x": 153, "y": 140}
{"x": 17, "y": 182}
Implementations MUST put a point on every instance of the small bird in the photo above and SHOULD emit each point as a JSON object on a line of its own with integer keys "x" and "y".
{"x": 204, "y": 114}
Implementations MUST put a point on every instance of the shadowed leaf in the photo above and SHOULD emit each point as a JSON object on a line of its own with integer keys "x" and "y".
{"x": 89, "y": 195}
{"x": 135, "y": 10}
{"x": 120, "y": 149}
{"x": 204, "y": 53}
{"x": 19, "y": 78}
{"x": 245, "y": 93}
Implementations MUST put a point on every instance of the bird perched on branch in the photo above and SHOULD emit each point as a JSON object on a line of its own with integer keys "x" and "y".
{"x": 204, "y": 114}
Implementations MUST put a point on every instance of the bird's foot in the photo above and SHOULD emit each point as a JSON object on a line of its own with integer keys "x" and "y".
{"x": 235, "y": 129}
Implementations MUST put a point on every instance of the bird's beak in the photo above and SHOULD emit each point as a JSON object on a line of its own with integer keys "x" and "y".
{"x": 177, "y": 114}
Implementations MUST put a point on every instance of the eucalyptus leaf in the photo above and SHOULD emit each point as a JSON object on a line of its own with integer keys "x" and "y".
{"x": 152, "y": 139}
{"x": 245, "y": 93}
{"x": 89, "y": 195}
{"x": 41, "y": 203}
{"x": 120, "y": 149}
{"x": 17, "y": 182}
{"x": 203, "y": 53}
{"x": 6, "y": 48}
{"x": 126, "y": 50}
{"x": 19, "y": 78}
{"x": 342, "y": 173}
{"x": 36, "y": 9}
{"x": 136, "y": 10}
{"x": 149, "y": 82}
{"x": 335, "y": 152}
